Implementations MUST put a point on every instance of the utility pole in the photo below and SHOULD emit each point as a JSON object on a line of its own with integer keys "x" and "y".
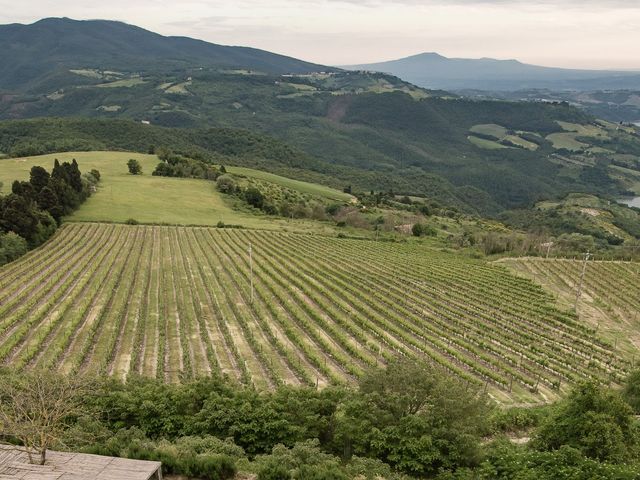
{"x": 584, "y": 269}
{"x": 251, "y": 269}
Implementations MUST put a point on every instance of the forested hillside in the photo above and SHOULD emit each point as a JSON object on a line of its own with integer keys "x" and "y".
{"x": 228, "y": 146}
{"x": 49, "y": 52}
{"x": 372, "y": 131}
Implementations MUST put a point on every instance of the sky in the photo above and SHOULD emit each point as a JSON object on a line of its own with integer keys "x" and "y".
{"x": 601, "y": 34}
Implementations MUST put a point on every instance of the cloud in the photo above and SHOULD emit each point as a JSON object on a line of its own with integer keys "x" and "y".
{"x": 603, "y": 4}
{"x": 571, "y": 33}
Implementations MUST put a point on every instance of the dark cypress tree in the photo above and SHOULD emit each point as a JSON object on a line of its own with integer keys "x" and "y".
{"x": 68, "y": 198}
{"x": 24, "y": 189}
{"x": 17, "y": 214}
{"x": 58, "y": 171}
{"x": 39, "y": 178}
{"x": 48, "y": 200}
{"x": 75, "y": 177}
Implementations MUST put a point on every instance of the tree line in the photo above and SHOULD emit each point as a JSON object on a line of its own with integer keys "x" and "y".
{"x": 32, "y": 212}
{"x": 401, "y": 422}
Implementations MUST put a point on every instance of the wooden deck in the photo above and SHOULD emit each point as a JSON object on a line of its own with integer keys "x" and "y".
{"x": 14, "y": 465}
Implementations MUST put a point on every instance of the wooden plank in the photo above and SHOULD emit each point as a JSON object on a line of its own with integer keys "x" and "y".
{"x": 14, "y": 465}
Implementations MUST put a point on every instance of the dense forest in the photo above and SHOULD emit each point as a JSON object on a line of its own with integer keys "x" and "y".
{"x": 503, "y": 179}
{"x": 221, "y": 146}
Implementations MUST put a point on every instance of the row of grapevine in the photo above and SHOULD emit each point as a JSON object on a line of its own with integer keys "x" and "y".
{"x": 179, "y": 302}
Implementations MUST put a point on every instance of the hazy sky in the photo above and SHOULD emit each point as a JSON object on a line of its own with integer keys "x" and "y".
{"x": 571, "y": 33}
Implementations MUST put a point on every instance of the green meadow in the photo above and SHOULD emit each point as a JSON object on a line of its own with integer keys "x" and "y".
{"x": 154, "y": 200}
{"x": 303, "y": 187}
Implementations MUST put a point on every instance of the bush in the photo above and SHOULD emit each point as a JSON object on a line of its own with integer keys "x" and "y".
{"x": 226, "y": 184}
{"x": 254, "y": 197}
{"x": 274, "y": 471}
{"x": 518, "y": 418}
{"x": 508, "y": 462}
{"x": 131, "y": 221}
{"x": 418, "y": 229}
{"x": 12, "y": 246}
{"x": 134, "y": 167}
{"x": 320, "y": 473}
{"x": 631, "y": 392}
{"x": 208, "y": 458}
{"x": 332, "y": 209}
{"x": 596, "y": 422}
{"x": 214, "y": 467}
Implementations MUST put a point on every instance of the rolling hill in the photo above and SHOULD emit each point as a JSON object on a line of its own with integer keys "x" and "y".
{"x": 151, "y": 199}
{"x": 431, "y": 70}
{"x": 43, "y": 53}
{"x": 613, "y": 105}
{"x": 372, "y": 131}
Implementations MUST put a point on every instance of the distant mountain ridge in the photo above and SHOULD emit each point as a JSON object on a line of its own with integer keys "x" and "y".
{"x": 431, "y": 70}
{"x": 367, "y": 130}
{"x": 39, "y": 52}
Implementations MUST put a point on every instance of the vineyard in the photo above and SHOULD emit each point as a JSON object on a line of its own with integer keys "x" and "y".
{"x": 178, "y": 302}
{"x": 609, "y": 298}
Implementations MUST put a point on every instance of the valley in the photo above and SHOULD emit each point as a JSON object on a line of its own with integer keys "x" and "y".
{"x": 242, "y": 265}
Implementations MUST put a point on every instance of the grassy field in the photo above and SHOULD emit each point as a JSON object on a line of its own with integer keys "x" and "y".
{"x": 585, "y": 130}
{"x": 491, "y": 129}
{"x": 500, "y": 133}
{"x": 177, "y": 302}
{"x": 484, "y": 143}
{"x": 124, "y": 83}
{"x": 303, "y": 187}
{"x": 567, "y": 141}
{"x": 150, "y": 199}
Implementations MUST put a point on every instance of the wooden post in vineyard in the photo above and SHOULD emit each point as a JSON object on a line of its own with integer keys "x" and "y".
{"x": 579, "y": 292}
{"x": 251, "y": 269}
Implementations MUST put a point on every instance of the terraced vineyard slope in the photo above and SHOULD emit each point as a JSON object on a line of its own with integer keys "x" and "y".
{"x": 609, "y": 300}
{"x": 177, "y": 302}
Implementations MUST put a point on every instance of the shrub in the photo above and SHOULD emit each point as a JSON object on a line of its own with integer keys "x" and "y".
{"x": 214, "y": 467}
{"x": 320, "y": 473}
{"x": 631, "y": 392}
{"x": 254, "y": 197}
{"x": 226, "y": 184}
{"x": 134, "y": 167}
{"x": 12, "y": 246}
{"x": 417, "y": 230}
{"x": 274, "y": 471}
{"x": 594, "y": 421}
